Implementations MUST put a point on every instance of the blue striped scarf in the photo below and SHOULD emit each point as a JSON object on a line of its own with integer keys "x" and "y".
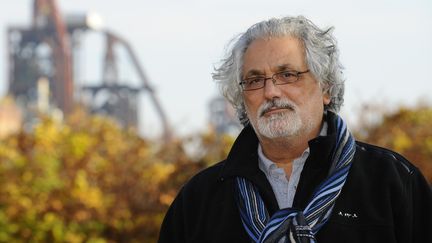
{"x": 297, "y": 225}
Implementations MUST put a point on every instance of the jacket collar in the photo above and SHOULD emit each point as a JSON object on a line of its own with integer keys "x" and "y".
{"x": 318, "y": 163}
{"x": 242, "y": 159}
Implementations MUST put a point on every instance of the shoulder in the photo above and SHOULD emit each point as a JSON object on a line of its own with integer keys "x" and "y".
{"x": 384, "y": 165}
{"x": 192, "y": 201}
{"x": 204, "y": 180}
{"x": 200, "y": 193}
{"x": 385, "y": 157}
{"x": 208, "y": 174}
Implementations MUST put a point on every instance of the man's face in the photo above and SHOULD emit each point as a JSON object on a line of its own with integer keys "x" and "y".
{"x": 287, "y": 110}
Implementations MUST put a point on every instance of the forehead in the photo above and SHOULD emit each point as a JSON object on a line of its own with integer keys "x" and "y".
{"x": 273, "y": 54}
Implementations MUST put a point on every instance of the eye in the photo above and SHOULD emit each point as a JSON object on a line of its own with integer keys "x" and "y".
{"x": 254, "y": 80}
{"x": 287, "y": 75}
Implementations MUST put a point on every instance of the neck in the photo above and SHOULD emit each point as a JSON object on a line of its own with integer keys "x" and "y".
{"x": 282, "y": 150}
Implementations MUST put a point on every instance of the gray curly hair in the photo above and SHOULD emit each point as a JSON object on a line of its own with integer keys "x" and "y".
{"x": 322, "y": 58}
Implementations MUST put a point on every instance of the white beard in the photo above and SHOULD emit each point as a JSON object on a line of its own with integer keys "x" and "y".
{"x": 286, "y": 123}
{"x": 283, "y": 124}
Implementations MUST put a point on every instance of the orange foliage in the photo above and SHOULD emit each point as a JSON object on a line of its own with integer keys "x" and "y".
{"x": 406, "y": 131}
{"x": 87, "y": 180}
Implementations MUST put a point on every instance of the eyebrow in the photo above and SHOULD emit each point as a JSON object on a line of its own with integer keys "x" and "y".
{"x": 254, "y": 72}
{"x": 279, "y": 68}
{"x": 284, "y": 67}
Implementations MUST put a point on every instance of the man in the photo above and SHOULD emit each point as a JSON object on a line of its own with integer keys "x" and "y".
{"x": 295, "y": 172}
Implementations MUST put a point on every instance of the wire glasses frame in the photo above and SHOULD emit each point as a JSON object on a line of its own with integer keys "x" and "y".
{"x": 280, "y": 78}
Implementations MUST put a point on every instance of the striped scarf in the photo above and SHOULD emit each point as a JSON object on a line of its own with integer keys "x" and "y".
{"x": 297, "y": 225}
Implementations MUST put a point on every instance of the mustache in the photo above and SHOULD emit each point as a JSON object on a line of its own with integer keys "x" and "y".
{"x": 276, "y": 103}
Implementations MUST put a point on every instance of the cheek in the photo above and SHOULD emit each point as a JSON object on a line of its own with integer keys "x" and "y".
{"x": 312, "y": 100}
{"x": 251, "y": 103}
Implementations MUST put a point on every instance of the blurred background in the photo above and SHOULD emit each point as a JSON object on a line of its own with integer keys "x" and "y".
{"x": 108, "y": 107}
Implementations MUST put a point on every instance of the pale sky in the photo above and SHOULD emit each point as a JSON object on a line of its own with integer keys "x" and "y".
{"x": 386, "y": 47}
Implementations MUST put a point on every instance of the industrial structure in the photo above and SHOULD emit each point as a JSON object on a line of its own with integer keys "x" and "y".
{"x": 41, "y": 65}
{"x": 223, "y": 117}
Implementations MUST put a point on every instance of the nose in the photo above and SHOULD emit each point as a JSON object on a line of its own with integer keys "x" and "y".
{"x": 271, "y": 90}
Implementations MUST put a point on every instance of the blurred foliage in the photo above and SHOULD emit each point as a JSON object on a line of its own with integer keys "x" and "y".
{"x": 407, "y": 131}
{"x": 87, "y": 180}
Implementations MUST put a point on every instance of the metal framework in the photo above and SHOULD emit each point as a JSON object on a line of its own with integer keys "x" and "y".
{"x": 44, "y": 51}
{"x": 124, "y": 96}
{"x": 41, "y": 51}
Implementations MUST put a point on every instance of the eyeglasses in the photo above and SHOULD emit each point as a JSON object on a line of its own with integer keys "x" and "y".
{"x": 280, "y": 78}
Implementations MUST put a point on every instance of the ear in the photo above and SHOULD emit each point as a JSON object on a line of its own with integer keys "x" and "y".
{"x": 326, "y": 98}
{"x": 326, "y": 95}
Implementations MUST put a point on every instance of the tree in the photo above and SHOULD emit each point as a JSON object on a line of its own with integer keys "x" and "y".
{"x": 88, "y": 180}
